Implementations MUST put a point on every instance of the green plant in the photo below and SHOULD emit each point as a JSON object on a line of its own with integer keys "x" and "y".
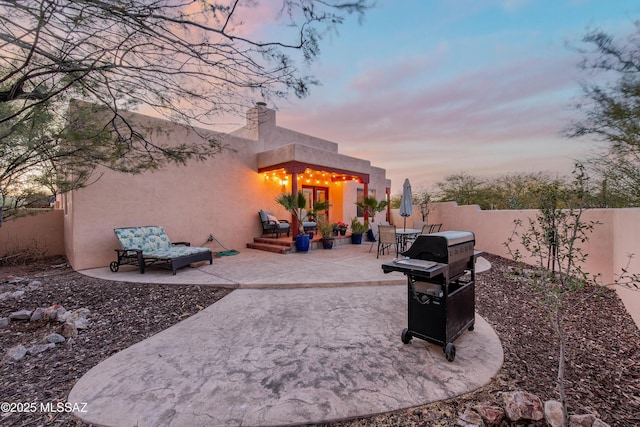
{"x": 357, "y": 227}
{"x": 295, "y": 204}
{"x": 372, "y": 206}
{"x": 325, "y": 228}
{"x": 553, "y": 240}
{"x": 318, "y": 206}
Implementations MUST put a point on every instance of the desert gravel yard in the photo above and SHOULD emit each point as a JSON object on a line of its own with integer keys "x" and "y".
{"x": 603, "y": 358}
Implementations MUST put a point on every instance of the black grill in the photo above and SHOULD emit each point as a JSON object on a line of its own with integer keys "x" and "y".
{"x": 440, "y": 270}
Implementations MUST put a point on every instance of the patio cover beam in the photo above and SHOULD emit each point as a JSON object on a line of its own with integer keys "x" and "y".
{"x": 296, "y": 167}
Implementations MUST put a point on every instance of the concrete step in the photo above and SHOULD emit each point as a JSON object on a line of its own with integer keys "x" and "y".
{"x": 276, "y": 242}
{"x": 269, "y": 247}
{"x": 286, "y": 246}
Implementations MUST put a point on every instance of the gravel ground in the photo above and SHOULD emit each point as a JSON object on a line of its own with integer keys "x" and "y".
{"x": 603, "y": 357}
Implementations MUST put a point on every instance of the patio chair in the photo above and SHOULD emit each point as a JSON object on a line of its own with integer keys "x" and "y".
{"x": 423, "y": 226}
{"x": 273, "y": 225}
{"x": 434, "y": 228}
{"x": 386, "y": 238}
{"x": 419, "y": 224}
{"x": 374, "y": 229}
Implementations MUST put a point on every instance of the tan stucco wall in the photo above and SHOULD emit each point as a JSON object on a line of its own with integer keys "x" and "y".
{"x": 42, "y": 232}
{"x": 627, "y": 242}
{"x": 611, "y": 241}
{"x": 220, "y": 196}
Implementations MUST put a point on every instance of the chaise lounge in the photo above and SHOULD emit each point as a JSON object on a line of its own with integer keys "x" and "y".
{"x": 148, "y": 245}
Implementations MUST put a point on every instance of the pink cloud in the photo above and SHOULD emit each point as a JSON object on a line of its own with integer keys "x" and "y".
{"x": 518, "y": 108}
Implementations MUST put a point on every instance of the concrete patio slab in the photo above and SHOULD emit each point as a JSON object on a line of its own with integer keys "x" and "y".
{"x": 292, "y": 354}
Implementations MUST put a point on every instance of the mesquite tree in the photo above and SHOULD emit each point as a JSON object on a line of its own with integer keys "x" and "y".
{"x": 610, "y": 113}
{"x": 553, "y": 239}
{"x": 189, "y": 61}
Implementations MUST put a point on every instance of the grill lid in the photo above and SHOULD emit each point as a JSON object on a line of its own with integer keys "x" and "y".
{"x": 435, "y": 246}
{"x": 455, "y": 237}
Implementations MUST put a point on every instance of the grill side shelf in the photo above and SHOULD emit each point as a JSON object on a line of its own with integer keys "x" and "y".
{"x": 404, "y": 266}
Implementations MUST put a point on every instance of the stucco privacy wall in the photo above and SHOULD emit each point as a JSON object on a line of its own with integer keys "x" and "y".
{"x": 39, "y": 234}
{"x": 613, "y": 239}
{"x": 220, "y": 196}
{"x": 627, "y": 242}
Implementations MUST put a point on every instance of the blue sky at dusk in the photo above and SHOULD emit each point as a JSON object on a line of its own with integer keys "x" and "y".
{"x": 427, "y": 88}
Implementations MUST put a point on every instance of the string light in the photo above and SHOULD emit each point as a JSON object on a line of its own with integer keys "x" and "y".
{"x": 318, "y": 177}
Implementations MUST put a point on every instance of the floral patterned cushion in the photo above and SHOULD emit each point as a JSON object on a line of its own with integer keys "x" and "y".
{"x": 155, "y": 239}
{"x": 174, "y": 252}
{"x": 130, "y": 237}
{"x": 154, "y": 242}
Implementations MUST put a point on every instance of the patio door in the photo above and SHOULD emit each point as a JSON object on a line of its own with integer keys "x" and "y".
{"x": 316, "y": 194}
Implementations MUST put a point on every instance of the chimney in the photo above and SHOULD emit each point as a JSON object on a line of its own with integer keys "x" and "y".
{"x": 260, "y": 120}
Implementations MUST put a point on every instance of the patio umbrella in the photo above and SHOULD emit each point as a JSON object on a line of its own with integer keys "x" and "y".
{"x": 406, "y": 203}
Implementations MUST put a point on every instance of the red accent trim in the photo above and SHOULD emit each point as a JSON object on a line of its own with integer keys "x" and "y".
{"x": 299, "y": 167}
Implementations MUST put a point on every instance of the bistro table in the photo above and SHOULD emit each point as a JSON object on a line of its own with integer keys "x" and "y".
{"x": 405, "y": 235}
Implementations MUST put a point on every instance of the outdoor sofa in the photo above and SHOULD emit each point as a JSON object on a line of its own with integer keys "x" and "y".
{"x": 148, "y": 245}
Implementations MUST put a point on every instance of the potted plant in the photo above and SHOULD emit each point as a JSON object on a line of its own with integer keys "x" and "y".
{"x": 295, "y": 204}
{"x": 316, "y": 213}
{"x": 372, "y": 206}
{"x": 341, "y": 228}
{"x": 357, "y": 229}
{"x": 318, "y": 207}
{"x": 326, "y": 231}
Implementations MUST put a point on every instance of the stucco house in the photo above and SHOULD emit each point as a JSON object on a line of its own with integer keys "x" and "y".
{"x": 220, "y": 196}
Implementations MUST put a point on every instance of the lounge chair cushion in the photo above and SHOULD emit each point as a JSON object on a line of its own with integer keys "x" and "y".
{"x": 271, "y": 224}
{"x": 154, "y": 244}
{"x": 130, "y": 237}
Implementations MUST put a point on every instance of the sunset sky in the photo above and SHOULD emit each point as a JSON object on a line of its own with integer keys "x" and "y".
{"x": 427, "y": 88}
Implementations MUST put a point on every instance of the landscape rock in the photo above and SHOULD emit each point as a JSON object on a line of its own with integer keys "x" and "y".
{"x": 470, "y": 418}
{"x": 20, "y": 315}
{"x": 39, "y": 348}
{"x": 77, "y": 314}
{"x": 38, "y": 314}
{"x": 5, "y": 296}
{"x": 68, "y": 330}
{"x": 52, "y": 313}
{"x": 581, "y": 420}
{"x": 81, "y": 323}
{"x": 599, "y": 423}
{"x": 521, "y": 405}
{"x": 53, "y": 338}
{"x": 17, "y": 294}
{"x": 4, "y": 322}
{"x": 34, "y": 284}
{"x": 553, "y": 413}
{"x": 15, "y": 354}
{"x": 491, "y": 415}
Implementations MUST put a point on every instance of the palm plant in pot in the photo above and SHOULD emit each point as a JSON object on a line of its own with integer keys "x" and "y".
{"x": 326, "y": 231}
{"x": 357, "y": 229}
{"x": 372, "y": 206}
{"x": 295, "y": 204}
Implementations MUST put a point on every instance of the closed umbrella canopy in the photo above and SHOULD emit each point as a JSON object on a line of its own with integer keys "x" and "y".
{"x": 406, "y": 203}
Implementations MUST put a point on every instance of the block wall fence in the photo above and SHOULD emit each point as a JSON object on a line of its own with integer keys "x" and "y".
{"x": 613, "y": 240}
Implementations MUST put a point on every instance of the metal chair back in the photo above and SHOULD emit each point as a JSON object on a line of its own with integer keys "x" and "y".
{"x": 387, "y": 237}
